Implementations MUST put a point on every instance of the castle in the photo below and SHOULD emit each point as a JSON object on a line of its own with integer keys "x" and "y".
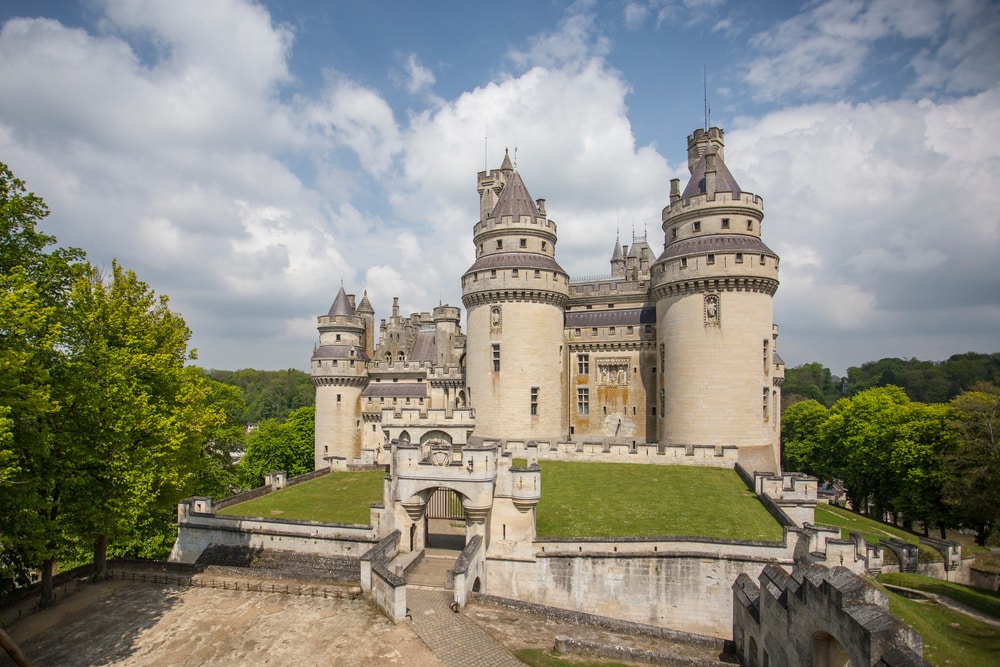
{"x": 668, "y": 360}
{"x": 676, "y": 350}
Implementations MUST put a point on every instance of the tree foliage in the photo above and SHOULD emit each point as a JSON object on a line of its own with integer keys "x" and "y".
{"x": 927, "y": 381}
{"x": 269, "y": 394}
{"x": 102, "y": 427}
{"x": 811, "y": 381}
{"x": 275, "y": 445}
{"x": 974, "y": 490}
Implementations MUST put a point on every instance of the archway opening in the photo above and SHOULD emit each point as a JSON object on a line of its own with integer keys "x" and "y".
{"x": 477, "y": 585}
{"x": 828, "y": 652}
{"x": 444, "y": 520}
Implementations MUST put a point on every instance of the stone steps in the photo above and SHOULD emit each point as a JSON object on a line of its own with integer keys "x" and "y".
{"x": 434, "y": 569}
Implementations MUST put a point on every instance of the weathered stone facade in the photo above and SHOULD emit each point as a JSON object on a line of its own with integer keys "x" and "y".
{"x": 676, "y": 350}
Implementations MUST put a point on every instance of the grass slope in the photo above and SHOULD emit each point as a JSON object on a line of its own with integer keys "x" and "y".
{"x": 873, "y": 531}
{"x": 981, "y": 599}
{"x": 640, "y": 500}
{"x": 340, "y": 497}
{"x": 950, "y": 638}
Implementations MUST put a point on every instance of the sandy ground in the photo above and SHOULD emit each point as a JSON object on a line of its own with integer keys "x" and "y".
{"x": 125, "y": 623}
{"x": 118, "y": 623}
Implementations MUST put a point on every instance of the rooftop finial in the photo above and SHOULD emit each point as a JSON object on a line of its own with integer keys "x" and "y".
{"x": 704, "y": 82}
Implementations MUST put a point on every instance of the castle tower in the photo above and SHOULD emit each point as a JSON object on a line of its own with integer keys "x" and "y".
{"x": 617, "y": 260}
{"x": 339, "y": 373}
{"x": 515, "y": 294}
{"x": 367, "y": 314}
{"x": 713, "y": 287}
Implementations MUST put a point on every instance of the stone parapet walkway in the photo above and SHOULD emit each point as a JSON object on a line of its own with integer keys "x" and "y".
{"x": 455, "y": 639}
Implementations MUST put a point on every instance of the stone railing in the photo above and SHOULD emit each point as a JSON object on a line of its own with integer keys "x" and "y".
{"x": 387, "y": 589}
{"x": 469, "y": 568}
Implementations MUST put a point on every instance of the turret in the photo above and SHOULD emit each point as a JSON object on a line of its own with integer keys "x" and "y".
{"x": 713, "y": 288}
{"x": 339, "y": 373}
{"x": 515, "y": 293}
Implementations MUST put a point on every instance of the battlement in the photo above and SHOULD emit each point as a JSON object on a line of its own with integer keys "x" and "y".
{"x": 415, "y": 418}
{"x": 325, "y": 322}
{"x": 718, "y": 202}
{"x": 523, "y": 223}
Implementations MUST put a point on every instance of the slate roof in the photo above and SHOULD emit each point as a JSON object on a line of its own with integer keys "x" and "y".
{"x": 424, "y": 347}
{"x": 341, "y": 305}
{"x": 516, "y": 260}
{"x": 716, "y": 243}
{"x": 610, "y": 318}
{"x": 515, "y": 200}
{"x": 617, "y": 254}
{"x": 724, "y": 181}
{"x": 365, "y": 306}
{"x": 395, "y": 390}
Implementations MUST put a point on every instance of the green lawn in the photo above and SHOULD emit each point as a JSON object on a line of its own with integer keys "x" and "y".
{"x": 871, "y": 530}
{"x": 950, "y": 638}
{"x": 340, "y": 497}
{"x": 642, "y": 500}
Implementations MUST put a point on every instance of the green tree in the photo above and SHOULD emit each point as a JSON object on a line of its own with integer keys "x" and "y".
{"x": 275, "y": 445}
{"x": 811, "y": 381}
{"x": 270, "y": 394}
{"x": 801, "y": 438}
{"x": 34, "y": 278}
{"x": 858, "y": 445}
{"x": 921, "y": 442}
{"x": 973, "y": 490}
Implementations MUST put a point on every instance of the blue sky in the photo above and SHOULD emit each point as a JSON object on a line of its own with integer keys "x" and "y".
{"x": 245, "y": 158}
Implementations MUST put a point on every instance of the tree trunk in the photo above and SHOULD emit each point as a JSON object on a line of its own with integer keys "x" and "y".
{"x": 48, "y": 594}
{"x": 13, "y": 650}
{"x": 100, "y": 571}
{"x": 944, "y": 532}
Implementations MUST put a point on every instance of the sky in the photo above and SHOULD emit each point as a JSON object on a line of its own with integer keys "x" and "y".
{"x": 249, "y": 158}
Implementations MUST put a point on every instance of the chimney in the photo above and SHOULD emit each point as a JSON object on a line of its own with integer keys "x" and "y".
{"x": 710, "y": 174}
{"x": 675, "y": 189}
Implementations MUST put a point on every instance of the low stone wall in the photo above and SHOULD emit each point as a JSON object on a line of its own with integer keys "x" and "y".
{"x": 682, "y": 584}
{"x": 615, "y": 451}
{"x": 197, "y": 530}
{"x": 387, "y": 590}
{"x": 983, "y": 579}
{"x": 470, "y": 567}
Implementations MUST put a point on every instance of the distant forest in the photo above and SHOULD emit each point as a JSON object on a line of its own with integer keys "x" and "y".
{"x": 269, "y": 394}
{"x": 923, "y": 381}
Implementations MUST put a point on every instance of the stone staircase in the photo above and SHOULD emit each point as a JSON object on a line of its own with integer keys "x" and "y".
{"x": 434, "y": 570}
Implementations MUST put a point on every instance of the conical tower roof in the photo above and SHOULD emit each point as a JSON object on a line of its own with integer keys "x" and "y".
{"x": 365, "y": 306}
{"x": 507, "y": 164}
{"x": 341, "y": 305}
{"x": 724, "y": 181}
{"x": 617, "y": 255}
{"x": 514, "y": 199}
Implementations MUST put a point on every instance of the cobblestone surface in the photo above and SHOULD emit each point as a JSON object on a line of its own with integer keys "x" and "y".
{"x": 456, "y": 639}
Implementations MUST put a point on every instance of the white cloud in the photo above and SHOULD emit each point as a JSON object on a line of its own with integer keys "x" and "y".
{"x": 420, "y": 77}
{"x": 883, "y": 213}
{"x": 825, "y": 49}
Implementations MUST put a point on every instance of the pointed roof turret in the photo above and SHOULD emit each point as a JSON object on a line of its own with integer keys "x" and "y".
{"x": 514, "y": 199}
{"x": 617, "y": 255}
{"x": 507, "y": 164}
{"x": 708, "y": 168}
{"x": 365, "y": 306}
{"x": 341, "y": 305}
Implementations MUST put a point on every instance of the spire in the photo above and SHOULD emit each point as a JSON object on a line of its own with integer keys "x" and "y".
{"x": 341, "y": 305}
{"x": 514, "y": 199}
{"x": 365, "y": 306}
{"x": 507, "y": 165}
{"x": 617, "y": 254}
